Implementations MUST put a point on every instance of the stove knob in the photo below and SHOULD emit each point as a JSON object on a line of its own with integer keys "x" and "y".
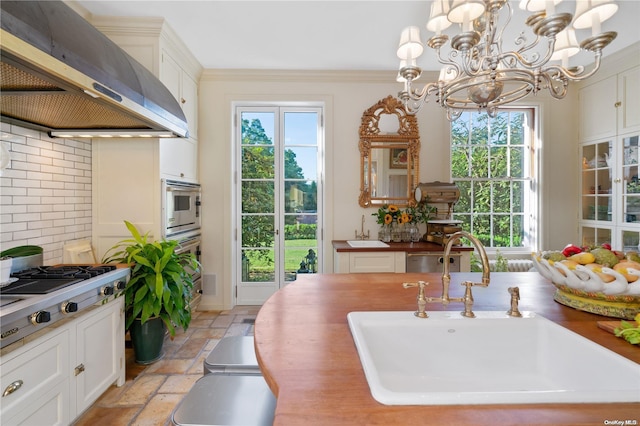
{"x": 120, "y": 285}
{"x": 40, "y": 317}
{"x": 107, "y": 291}
{"x": 69, "y": 307}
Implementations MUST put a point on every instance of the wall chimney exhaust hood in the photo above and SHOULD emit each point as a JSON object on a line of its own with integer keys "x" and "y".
{"x": 61, "y": 75}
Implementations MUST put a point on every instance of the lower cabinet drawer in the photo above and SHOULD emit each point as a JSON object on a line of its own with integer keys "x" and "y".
{"x": 32, "y": 372}
{"x": 364, "y": 262}
{"x": 52, "y": 409}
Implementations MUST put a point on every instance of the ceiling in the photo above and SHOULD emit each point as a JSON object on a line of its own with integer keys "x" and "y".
{"x": 319, "y": 35}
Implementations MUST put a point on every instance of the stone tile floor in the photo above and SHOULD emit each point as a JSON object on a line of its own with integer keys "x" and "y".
{"x": 151, "y": 392}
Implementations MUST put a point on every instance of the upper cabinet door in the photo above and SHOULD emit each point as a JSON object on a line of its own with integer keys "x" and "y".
{"x": 629, "y": 96}
{"x": 597, "y": 110}
{"x": 183, "y": 88}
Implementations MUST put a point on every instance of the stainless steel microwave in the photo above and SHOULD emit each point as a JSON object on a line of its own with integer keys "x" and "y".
{"x": 180, "y": 208}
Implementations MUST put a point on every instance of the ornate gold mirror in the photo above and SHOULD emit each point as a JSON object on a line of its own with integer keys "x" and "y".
{"x": 389, "y": 155}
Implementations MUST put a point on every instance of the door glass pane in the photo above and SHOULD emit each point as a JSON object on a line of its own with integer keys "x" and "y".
{"x": 258, "y": 265}
{"x": 631, "y": 191}
{"x": 630, "y": 241}
{"x": 257, "y": 197}
{"x": 257, "y": 162}
{"x": 301, "y": 247}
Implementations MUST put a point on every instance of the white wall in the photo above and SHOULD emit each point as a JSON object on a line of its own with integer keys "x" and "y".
{"x": 45, "y": 193}
{"x": 347, "y": 95}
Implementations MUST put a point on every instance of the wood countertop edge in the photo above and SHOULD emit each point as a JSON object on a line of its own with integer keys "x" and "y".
{"x": 341, "y": 246}
{"x": 320, "y": 383}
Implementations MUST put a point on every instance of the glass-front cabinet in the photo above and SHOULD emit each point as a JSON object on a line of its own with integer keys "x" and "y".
{"x": 610, "y": 199}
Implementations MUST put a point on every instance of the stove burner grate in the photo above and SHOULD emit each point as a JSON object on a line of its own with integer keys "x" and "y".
{"x": 38, "y": 286}
{"x": 47, "y": 279}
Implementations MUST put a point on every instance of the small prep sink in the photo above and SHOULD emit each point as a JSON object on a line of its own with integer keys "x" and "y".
{"x": 367, "y": 243}
{"x": 448, "y": 359}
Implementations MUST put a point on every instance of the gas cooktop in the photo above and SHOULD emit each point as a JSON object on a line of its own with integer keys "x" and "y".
{"x": 47, "y": 279}
{"x": 41, "y": 296}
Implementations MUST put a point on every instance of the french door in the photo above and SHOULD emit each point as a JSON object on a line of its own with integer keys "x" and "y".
{"x": 278, "y": 193}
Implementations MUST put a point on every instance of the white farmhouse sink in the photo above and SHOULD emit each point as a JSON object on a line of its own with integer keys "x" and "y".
{"x": 367, "y": 243}
{"x": 491, "y": 359}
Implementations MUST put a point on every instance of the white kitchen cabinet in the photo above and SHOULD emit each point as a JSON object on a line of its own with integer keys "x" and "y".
{"x": 99, "y": 359}
{"x": 609, "y": 154}
{"x": 155, "y": 45}
{"x": 59, "y": 374}
{"x": 369, "y": 261}
{"x": 177, "y": 159}
{"x": 39, "y": 374}
{"x": 598, "y": 116}
{"x": 183, "y": 87}
{"x": 629, "y": 101}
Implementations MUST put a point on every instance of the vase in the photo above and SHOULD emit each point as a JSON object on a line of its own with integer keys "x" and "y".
{"x": 396, "y": 233}
{"x": 405, "y": 230}
{"x": 147, "y": 340}
{"x": 384, "y": 234}
{"x": 414, "y": 232}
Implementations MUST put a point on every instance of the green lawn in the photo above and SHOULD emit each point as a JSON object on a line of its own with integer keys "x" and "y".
{"x": 295, "y": 252}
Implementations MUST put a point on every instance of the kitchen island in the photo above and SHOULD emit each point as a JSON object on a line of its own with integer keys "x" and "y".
{"x": 307, "y": 354}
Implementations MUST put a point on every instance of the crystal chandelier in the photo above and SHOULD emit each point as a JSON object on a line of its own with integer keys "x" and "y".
{"x": 477, "y": 74}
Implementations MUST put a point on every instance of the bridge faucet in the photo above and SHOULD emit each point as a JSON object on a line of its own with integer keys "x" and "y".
{"x": 467, "y": 299}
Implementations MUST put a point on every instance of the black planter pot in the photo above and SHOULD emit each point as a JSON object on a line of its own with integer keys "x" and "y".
{"x": 147, "y": 340}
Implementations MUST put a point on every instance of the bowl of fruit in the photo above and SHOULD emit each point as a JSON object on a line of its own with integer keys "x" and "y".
{"x": 593, "y": 279}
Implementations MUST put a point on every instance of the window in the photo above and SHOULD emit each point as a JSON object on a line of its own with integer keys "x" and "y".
{"x": 492, "y": 163}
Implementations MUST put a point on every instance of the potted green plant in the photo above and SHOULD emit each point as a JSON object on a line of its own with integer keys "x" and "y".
{"x": 158, "y": 293}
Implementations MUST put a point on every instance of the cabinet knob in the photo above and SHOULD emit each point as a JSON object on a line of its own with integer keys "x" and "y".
{"x": 617, "y": 104}
{"x": 14, "y": 386}
{"x": 183, "y": 101}
{"x": 618, "y": 180}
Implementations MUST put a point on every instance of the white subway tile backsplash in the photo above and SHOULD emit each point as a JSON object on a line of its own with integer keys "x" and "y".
{"x": 45, "y": 194}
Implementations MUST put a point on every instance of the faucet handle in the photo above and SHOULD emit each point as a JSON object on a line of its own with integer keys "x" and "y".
{"x": 515, "y": 297}
{"x": 422, "y": 300}
{"x": 420, "y": 284}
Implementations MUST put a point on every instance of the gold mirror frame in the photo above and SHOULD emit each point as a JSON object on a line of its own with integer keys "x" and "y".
{"x": 406, "y": 140}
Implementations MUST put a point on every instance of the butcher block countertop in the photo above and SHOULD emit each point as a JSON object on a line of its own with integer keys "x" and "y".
{"x": 421, "y": 246}
{"x": 307, "y": 355}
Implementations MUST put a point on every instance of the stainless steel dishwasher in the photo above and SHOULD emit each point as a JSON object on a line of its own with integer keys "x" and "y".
{"x": 431, "y": 262}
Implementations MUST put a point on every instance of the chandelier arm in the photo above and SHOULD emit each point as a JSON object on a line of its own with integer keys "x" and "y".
{"x": 414, "y": 99}
{"x": 579, "y": 75}
{"x": 506, "y": 24}
{"x": 522, "y": 60}
{"x": 449, "y": 62}
{"x": 558, "y": 91}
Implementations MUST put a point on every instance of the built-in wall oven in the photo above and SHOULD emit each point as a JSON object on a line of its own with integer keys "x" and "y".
{"x": 180, "y": 209}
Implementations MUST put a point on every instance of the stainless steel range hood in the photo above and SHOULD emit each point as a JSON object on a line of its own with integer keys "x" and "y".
{"x": 58, "y": 72}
